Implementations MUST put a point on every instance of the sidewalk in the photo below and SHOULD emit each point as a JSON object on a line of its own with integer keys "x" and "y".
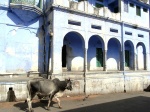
{"x": 117, "y": 102}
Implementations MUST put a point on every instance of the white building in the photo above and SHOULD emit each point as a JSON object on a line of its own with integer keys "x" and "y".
{"x": 99, "y": 35}
{"x": 94, "y": 33}
{"x": 102, "y": 45}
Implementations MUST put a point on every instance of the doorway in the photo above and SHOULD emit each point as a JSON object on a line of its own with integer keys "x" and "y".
{"x": 127, "y": 58}
{"x": 64, "y": 55}
{"x": 99, "y": 57}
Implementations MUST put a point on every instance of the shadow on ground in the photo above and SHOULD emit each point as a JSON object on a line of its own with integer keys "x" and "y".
{"x": 23, "y": 106}
{"x": 135, "y": 104}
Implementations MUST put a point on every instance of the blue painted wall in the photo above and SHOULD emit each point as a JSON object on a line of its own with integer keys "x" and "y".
{"x": 21, "y": 43}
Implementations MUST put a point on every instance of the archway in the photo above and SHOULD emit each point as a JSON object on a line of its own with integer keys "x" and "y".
{"x": 73, "y": 52}
{"x": 141, "y": 56}
{"x": 129, "y": 55}
{"x": 64, "y": 54}
{"x": 95, "y": 53}
{"x": 114, "y": 54}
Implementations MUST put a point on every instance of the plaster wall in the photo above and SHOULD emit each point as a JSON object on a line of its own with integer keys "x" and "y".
{"x": 89, "y": 7}
{"x": 18, "y": 87}
{"x": 19, "y": 43}
{"x": 85, "y": 33}
{"x": 95, "y": 84}
{"x": 129, "y": 16}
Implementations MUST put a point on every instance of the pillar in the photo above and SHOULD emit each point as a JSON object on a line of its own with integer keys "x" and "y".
{"x": 104, "y": 60}
{"x": 146, "y": 61}
{"x": 85, "y": 60}
{"x": 135, "y": 61}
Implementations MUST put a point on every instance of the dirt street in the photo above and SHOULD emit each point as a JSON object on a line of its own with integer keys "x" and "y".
{"x": 116, "y": 102}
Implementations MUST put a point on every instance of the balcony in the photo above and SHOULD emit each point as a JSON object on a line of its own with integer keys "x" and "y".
{"x": 29, "y": 8}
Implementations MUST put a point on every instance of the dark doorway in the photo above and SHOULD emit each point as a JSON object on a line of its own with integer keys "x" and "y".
{"x": 127, "y": 58}
{"x": 64, "y": 53}
{"x": 99, "y": 57}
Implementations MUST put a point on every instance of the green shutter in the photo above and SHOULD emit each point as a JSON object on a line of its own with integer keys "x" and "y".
{"x": 127, "y": 58}
{"x": 138, "y": 11}
{"x": 99, "y": 57}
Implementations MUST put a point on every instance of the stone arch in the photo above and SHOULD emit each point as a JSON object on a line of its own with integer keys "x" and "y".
{"x": 141, "y": 56}
{"x": 73, "y": 52}
{"x": 129, "y": 54}
{"x": 114, "y": 54}
{"x": 95, "y": 53}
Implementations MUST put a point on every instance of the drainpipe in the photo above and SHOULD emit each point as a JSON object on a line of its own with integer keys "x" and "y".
{"x": 123, "y": 54}
{"x": 44, "y": 63}
{"x": 49, "y": 46}
{"x": 85, "y": 60}
{"x": 85, "y": 69}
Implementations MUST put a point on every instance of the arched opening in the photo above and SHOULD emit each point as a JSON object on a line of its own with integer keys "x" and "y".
{"x": 141, "y": 56}
{"x": 64, "y": 55}
{"x": 95, "y": 53}
{"x": 73, "y": 52}
{"x": 114, "y": 54}
{"x": 129, "y": 55}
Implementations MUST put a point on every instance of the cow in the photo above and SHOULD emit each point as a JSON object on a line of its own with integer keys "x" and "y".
{"x": 46, "y": 87}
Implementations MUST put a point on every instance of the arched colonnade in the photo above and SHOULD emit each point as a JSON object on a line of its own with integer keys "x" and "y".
{"x": 92, "y": 54}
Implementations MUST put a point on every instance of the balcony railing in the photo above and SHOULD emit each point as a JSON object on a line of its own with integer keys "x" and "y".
{"x": 30, "y": 8}
{"x": 27, "y": 2}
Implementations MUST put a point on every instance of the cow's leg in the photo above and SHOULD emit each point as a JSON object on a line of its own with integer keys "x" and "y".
{"x": 49, "y": 101}
{"x": 58, "y": 100}
{"x": 29, "y": 101}
{"x": 29, "y": 105}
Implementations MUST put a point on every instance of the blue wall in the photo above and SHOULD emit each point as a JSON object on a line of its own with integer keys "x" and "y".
{"x": 21, "y": 43}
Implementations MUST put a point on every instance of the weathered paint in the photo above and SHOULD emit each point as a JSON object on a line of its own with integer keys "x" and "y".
{"x": 23, "y": 48}
{"x": 103, "y": 84}
{"x": 19, "y": 40}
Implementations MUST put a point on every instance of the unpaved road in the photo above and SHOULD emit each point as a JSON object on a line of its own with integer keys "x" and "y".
{"x": 117, "y": 102}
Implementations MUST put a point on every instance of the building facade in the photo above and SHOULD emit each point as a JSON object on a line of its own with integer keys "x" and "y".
{"x": 21, "y": 35}
{"x": 103, "y": 45}
{"x": 110, "y": 35}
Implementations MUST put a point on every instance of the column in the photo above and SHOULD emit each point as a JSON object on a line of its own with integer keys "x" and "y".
{"x": 122, "y": 60}
{"x": 85, "y": 60}
{"x": 104, "y": 60}
{"x": 145, "y": 61}
{"x": 135, "y": 61}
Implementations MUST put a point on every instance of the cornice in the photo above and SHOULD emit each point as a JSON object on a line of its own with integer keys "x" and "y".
{"x": 77, "y": 12}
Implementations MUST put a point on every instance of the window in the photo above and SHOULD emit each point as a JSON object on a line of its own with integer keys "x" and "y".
{"x": 100, "y": 0}
{"x": 131, "y": 5}
{"x": 113, "y": 30}
{"x": 140, "y": 35}
{"x": 144, "y": 9}
{"x": 96, "y": 27}
{"x": 138, "y": 11}
{"x": 116, "y": 9}
{"x": 74, "y": 23}
{"x": 114, "y": 6}
{"x": 128, "y": 33}
{"x": 125, "y": 6}
{"x": 99, "y": 3}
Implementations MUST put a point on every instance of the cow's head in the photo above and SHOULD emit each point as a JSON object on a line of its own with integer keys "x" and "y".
{"x": 69, "y": 84}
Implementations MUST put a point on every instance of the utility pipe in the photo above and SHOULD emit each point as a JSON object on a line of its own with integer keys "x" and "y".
{"x": 123, "y": 53}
